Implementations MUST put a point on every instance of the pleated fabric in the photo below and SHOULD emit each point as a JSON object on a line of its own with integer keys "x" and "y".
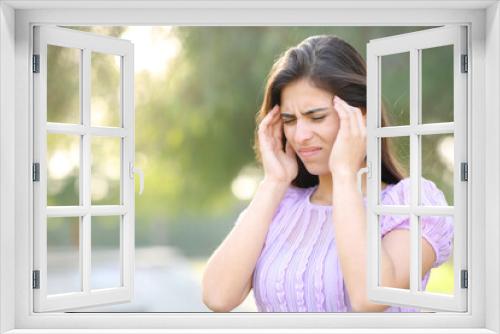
{"x": 298, "y": 269}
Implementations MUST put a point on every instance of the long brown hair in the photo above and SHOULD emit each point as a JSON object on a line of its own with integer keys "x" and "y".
{"x": 329, "y": 63}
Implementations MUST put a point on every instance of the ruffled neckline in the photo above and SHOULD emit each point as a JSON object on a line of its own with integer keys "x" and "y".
{"x": 310, "y": 190}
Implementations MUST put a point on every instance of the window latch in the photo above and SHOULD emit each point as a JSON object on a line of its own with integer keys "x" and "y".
{"x": 132, "y": 171}
{"x": 366, "y": 170}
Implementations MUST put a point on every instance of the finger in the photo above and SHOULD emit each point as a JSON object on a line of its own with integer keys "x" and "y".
{"x": 361, "y": 122}
{"x": 280, "y": 135}
{"x": 264, "y": 124}
{"x": 354, "y": 113}
{"x": 345, "y": 126}
{"x": 270, "y": 116}
{"x": 277, "y": 130}
{"x": 353, "y": 120}
{"x": 289, "y": 150}
{"x": 277, "y": 126}
{"x": 344, "y": 103}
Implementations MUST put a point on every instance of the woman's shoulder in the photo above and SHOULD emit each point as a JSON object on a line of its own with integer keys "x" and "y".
{"x": 437, "y": 230}
{"x": 399, "y": 193}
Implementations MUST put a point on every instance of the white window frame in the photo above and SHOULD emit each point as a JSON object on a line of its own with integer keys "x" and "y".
{"x": 86, "y": 43}
{"x": 16, "y": 19}
{"x": 414, "y": 44}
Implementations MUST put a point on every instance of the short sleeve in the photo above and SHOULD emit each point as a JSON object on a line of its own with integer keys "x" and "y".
{"x": 291, "y": 195}
{"x": 437, "y": 230}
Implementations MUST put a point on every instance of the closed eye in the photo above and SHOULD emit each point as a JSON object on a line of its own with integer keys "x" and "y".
{"x": 293, "y": 120}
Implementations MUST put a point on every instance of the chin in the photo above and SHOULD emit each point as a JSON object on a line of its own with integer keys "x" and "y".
{"x": 316, "y": 169}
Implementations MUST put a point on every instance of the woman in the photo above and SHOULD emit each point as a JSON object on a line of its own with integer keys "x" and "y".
{"x": 301, "y": 242}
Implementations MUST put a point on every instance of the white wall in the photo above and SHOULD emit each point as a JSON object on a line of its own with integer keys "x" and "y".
{"x": 493, "y": 167}
{"x": 6, "y": 166}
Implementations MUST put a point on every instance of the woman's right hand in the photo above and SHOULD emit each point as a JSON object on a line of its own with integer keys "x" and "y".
{"x": 279, "y": 166}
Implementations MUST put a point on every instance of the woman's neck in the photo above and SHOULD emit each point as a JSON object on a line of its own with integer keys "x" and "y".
{"x": 323, "y": 194}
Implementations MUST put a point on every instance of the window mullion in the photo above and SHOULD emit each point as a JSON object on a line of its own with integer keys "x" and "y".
{"x": 414, "y": 170}
{"x": 85, "y": 248}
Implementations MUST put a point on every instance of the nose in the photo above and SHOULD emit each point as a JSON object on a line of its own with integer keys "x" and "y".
{"x": 303, "y": 132}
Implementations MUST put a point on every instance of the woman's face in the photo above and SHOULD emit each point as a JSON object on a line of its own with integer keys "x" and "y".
{"x": 311, "y": 135}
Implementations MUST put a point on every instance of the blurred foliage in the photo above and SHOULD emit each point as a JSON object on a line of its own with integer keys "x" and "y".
{"x": 195, "y": 122}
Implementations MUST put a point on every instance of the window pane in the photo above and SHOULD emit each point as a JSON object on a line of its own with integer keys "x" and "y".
{"x": 399, "y": 149}
{"x": 440, "y": 279}
{"x": 63, "y": 91}
{"x": 105, "y": 100}
{"x": 437, "y": 84}
{"x": 389, "y": 224}
{"x": 63, "y": 255}
{"x": 395, "y": 81}
{"x": 106, "y": 170}
{"x": 437, "y": 166}
{"x": 106, "y": 261}
{"x": 63, "y": 169}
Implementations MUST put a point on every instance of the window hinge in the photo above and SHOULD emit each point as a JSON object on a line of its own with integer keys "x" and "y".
{"x": 465, "y": 66}
{"x": 464, "y": 279}
{"x": 464, "y": 171}
{"x": 36, "y": 63}
{"x": 36, "y": 279}
{"x": 36, "y": 171}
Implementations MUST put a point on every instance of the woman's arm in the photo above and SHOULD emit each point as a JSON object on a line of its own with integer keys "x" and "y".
{"x": 350, "y": 230}
{"x": 231, "y": 266}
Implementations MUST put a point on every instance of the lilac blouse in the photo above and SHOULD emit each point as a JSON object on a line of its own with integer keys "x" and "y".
{"x": 298, "y": 269}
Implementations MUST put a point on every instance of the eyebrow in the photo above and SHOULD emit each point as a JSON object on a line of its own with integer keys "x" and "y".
{"x": 306, "y": 112}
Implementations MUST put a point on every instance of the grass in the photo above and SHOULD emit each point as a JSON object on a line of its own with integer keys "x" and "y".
{"x": 441, "y": 279}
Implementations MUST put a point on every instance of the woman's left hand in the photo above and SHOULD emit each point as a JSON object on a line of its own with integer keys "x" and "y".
{"x": 349, "y": 148}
